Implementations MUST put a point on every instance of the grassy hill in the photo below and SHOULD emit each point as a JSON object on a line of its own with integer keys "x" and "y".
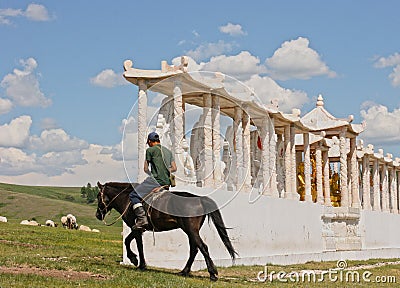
{"x": 19, "y": 202}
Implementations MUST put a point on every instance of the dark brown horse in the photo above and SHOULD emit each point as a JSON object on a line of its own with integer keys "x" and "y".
{"x": 162, "y": 208}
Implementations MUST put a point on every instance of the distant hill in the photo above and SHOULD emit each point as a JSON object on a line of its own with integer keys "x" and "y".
{"x": 20, "y": 202}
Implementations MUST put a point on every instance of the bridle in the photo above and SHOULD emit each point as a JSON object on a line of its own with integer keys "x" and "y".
{"x": 106, "y": 206}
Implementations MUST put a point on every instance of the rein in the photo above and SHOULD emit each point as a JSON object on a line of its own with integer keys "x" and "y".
{"x": 106, "y": 207}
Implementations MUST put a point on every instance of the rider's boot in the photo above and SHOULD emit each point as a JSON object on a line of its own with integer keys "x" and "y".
{"x": 141, "y": 218}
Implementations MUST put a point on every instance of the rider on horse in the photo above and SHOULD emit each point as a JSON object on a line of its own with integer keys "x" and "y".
{"x": 162, "y": 164}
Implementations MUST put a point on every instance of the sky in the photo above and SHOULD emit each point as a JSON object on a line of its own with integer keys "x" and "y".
{"x": 64, "y": 102}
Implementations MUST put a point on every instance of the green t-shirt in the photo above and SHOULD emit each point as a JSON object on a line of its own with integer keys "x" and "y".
{"x": 160, "y": 162}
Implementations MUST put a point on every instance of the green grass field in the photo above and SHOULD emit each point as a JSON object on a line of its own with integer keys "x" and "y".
{"x": 56, "y": 257}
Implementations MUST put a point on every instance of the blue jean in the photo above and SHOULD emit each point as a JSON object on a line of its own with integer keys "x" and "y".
{"x": 141, "y": 190}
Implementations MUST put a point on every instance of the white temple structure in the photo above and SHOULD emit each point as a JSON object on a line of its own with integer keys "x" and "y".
{"x": 293, "y": 189}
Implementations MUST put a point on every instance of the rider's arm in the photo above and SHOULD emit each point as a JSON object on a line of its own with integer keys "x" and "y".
{"x": 173, "y": 167}
{"x": 146, "y": 167}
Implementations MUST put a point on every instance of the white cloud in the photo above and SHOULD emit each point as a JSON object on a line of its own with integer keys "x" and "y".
{"x": 208, "y": 50}
{"x": 5, "y": 106}
{"x": 34, "y": 12}
{"x": 16, "y": 133}
{"x": 37, "y": 12}
{"x": 295, "y": 59}
{"x": 108, "y": 78}
{"x": 48, "y": 123}
{"x": 56, "y": 140}
{"x": 391, "y": 61}
{"x": 22, "y": 86}
{"x": 241, "y": 66}
{"x": 232, "y": 29}
{"x": 24, "y": 169}
{"x": 268, "y": 90}
{"x": 382, "y": 125}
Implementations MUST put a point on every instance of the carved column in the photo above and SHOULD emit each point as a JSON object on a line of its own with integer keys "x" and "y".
{"x": 293, "y": 192}
{"x": 208, "y": 140}
{"x": 318, "y": 160}
{"x": 246, "y": 149}
{"x": 343, "y": 170}
{"x": 376, "y": 180}
{"x": 366, "y": 183}
{"x": 216, "y": 139}
{"x": 307, "y": 167}
{"x": 288, "y": 161}
{"x": 178, "y": 132}
{"x": 272, "y": 159}
{"x": 385, "y": 188}
{"x": 396, "y": 201}
{"x": 238, "y": 137}
{"x": 265, "y": 168}
{"x": 393, "y": 184}
{"x": 327, "y": 186}
{"x": 142, "y": 128}
{"x": 355, "y": 196}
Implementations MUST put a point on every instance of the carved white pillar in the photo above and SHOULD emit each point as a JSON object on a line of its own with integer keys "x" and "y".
{"x": 393, "y": 188}
{"x": 142, "y": 128}
{"x": 216, "y": 139}
{"x": 376, "y": 180}
{"x": 178, "y": 130}
{"x": 288, "y": 168}
{"x": 208, "y": 140}
{"x": 272, "y": 159}
{"x": 307, "y": 167}
{"x": 266, "y": 172}
{"x": 293, "y": 192}
{"x": 246, "y": 149}
{"x": 366, "y": 183}
{"x": 327, "y": 187}
{"x": 355, "y": 196}
{"x": 385, "y": 188}
{"x": 318, "y": 160}
{"x": 238, "y": 138}
{"x": 396, "y": 201}
{"x": 343, "y": 170}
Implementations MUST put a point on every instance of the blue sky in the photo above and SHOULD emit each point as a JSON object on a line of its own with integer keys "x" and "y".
{"x": 63, "y": 100}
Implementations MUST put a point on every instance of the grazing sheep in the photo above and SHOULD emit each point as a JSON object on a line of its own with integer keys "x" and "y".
{"x": 29, "y": 222}
{"x": 71, "y": 222}
{"x": 51, "y": 223}
{"x": 64, "y": 221}
{"x": 3, "y": 219}
{"x": 84, "y": 228}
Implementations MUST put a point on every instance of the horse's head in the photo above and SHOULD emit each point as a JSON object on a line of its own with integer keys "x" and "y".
{"x": 112, "y": 195}
{"x": 102, "y": 202}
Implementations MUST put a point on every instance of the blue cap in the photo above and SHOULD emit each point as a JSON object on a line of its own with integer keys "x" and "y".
{"x": 153, "y": 136}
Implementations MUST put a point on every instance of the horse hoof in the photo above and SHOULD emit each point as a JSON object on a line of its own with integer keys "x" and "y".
{"x": 213, "y": 278}
{"x": 184, "y": 274}
{"x": 142, "y": 268}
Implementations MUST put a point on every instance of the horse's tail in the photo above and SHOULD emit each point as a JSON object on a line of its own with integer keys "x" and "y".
{"x": 213, "y": 212}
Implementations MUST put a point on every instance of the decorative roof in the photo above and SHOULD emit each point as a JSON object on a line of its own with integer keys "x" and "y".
{"x": 319, "y": 119}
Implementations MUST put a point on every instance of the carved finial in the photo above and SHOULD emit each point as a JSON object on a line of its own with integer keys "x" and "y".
{"x": 380, "y": 151}
{"x": 220, "y": 76}
{"x": 323, "y": 133}
{"x": 296, "y": 112}
{"x": 351, "y": 118}
{"x": 320, "y": 101}
{"x": 128, "y": 64}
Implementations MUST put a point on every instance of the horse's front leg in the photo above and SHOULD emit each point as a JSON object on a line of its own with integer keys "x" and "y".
{"x": 131, "y": 256}
{"x": 139, "y": 243}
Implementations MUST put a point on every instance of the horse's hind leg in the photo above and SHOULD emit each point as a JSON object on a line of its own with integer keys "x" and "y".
{"x": 131, "y": 256}
{"x": 192, "y": 256}
{"x": 204, "y": 250}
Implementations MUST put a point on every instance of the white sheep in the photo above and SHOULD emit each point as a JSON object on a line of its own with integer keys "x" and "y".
{"x": 96, "y": 230}
{"x": 51, "y": 223}
{"x": 64, "y": 221}
{"x": 29, "y": 222}
{"x": 3, "y": 219}
{"x": 84, "y": 228}
{"x": 71, "y": 222}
